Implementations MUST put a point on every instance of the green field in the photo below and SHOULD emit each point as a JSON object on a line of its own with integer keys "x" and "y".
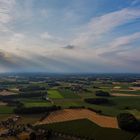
{"x": 85, "y": 128}
{"x": 67, "y": 103}
{"x": 132, "y": 102}
{"x": 36, "y": 103}
{"x": 6, "y": 110}
{"x": 54, "y": 94}
{"x": 137, "y": 92}
{"x": 67, "y": 93}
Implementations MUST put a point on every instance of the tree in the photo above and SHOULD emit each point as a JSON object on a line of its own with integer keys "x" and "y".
{"x": 128, "y": 122}
{"x": 102, "y": 93}
{"x": 97, "y": 101}
{"x": 32, "y": 136}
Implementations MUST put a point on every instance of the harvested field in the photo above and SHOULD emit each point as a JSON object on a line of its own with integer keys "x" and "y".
{"x": 74, "y": 114}
{"x": 6, "y": 93}
{"x": 122, "y": 90}
{"x": 116, "y": 87}
{"x": 135, "y": 88}
{"x": 125, "y": 95}
{"x": 23, "y": 136}
{"x": 3, "y": 103}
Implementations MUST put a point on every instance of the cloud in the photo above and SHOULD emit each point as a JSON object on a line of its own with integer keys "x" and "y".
{"x": 52, "y": 40}
{"x": 120, "y": 43}
{"x": 6, "y": 7}
{"x": 47, "y": 36}
{"x": 99, "y": 26}
{"x": 44, "y": 12}
{"x": 70, "y": 47}
{"x": 121, "y": 52}
{"x": 33, "y": 45}
{"x": 134, "y": 2}
{"x": 7, "y": 60}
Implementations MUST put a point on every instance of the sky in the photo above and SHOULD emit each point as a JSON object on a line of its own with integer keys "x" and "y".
{"x": 70, "y": 36}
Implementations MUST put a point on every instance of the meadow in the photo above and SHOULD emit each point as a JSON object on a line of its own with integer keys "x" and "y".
{"x": 84, "y": 128}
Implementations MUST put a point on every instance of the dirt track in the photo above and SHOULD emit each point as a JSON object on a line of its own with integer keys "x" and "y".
{"x": 6, "y": 93}
{"x": 73, "y": 114}
{"x": 135, "y": 88}
{"x": 3, "y": 103}
{"x": 125, "y": 95}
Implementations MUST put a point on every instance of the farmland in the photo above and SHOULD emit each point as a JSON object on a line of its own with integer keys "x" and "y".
{"x": 74, "y": 114}
{"x": 54, "y": 94}
{"x": 86, "y": 128}
{"x": 51, "y": 99}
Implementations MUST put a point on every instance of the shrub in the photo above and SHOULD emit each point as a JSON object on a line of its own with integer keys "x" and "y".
{"x": 95, "y": 110}
{"x": 76, "y": 107}
{"x": 32, "y": 136}
{"x": 102, "y": 93}
{"x": 97, "y": 101}
{"x": 32, "y": 88}
{"x": 36, "y": 110}
{"x": 128, "y": 122}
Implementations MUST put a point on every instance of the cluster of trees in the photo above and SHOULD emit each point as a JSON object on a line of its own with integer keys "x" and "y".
{"x": 73, "y": 89}
{"x": 136, "y": 85}
{"x": 95, "y": 110}
{"x": 32, "y": 91}
{"x": 9, "y": 97}
{"x": 97, "y": 101}
{"x": 33, "y": 94}
{"x": 128, "y": 122}
{"x": 102, "y": 93}
{"x": 53, "y": 84}
{"x": 13, "y": 102}
{"x": 35, "y": 110}
{"x": 76, "y": 107}
{"x": 31, "y": 88}
{"x": 13, "y": 82}
{"x": 40, "y": 135}
{"x": 2, "y": 88}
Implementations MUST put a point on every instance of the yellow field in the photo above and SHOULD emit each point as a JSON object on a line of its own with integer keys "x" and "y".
{"x": 73, "y": 114}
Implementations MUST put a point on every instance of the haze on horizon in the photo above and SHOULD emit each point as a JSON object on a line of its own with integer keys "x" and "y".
{"x": 70, "y": 36}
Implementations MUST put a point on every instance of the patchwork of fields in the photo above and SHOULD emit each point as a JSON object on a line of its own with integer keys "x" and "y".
{"x": 32, "y": 98}
{"x": 87, "y": 129}
{"x": 56, "y": 94}
{"x": 73, "y": 114}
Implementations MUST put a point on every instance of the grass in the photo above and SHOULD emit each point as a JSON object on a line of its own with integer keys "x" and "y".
{"x": 87, "y": 95}
{"x": 132, "y": 102}
{"x": 86, "y": 128}
{"x": 36, "y": 103}
{"x": 66, "y": 93}
{"x": 113, "y": 134}
{"x": 120, "y": 105}
{"x": 76, "y": 127}
{"x": 70, "y": 95}
{"x": 127, "y": 92}
{"x": 58, "y": 138}
{"x": 25, "y": 119}
{"x": 6, "y": 110}
{"x": 4, "y": 116}
{"x": 54, "y": 94}
{"x": 137, "y": 137}
{"x": 66, "y": 104}
{"x": 135, "y": 112}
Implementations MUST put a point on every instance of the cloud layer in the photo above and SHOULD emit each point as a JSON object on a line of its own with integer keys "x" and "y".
{"x": 48, "y": 39}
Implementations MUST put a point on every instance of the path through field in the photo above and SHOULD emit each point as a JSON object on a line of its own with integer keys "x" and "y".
{"x": 73, "y": 114}
{"x": 126, "y": 95}
{"x": 6, "y": 93}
